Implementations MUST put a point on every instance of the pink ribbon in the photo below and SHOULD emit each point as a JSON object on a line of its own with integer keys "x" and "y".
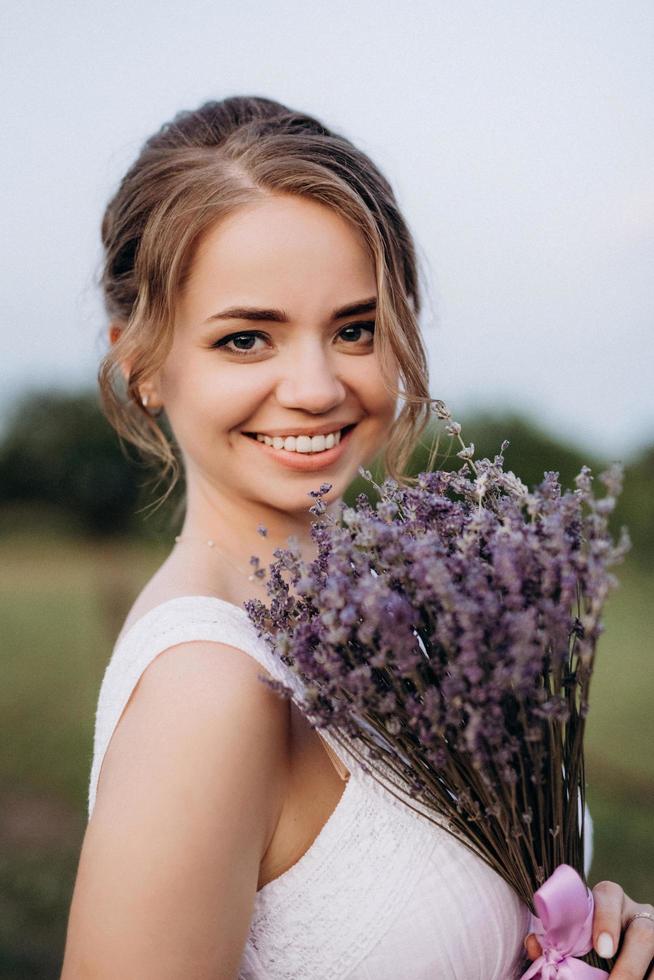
{"x": 564, "y": 928}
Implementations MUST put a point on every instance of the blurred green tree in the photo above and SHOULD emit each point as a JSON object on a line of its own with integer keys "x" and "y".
{"x": 60, "y": 452}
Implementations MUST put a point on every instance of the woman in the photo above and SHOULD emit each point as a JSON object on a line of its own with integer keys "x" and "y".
{"x": 226, "y": 838}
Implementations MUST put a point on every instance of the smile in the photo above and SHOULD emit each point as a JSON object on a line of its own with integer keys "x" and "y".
{"x": 304, "y": 453}
{"x": 301, "y": 444}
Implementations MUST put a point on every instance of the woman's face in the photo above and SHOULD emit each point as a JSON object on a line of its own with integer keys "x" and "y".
{"x": 310, "y": 367}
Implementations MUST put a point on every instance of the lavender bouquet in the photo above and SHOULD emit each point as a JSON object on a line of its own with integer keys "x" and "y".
{"x": 446, "y": 637}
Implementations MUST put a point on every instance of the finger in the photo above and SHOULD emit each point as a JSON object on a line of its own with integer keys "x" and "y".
{"x": 637, "y": 951}
{"x": 533, "y": 947}
{"x": 607, "y": 917}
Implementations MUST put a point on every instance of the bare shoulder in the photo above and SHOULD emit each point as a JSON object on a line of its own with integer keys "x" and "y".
{"x": 189, "y": 795}
{"x": 198, "y": 703}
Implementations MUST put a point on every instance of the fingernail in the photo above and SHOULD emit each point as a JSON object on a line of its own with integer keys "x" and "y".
{"x": 605, "y": 945}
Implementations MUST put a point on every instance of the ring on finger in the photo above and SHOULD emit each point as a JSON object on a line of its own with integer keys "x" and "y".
{"x": 640, "y": 915}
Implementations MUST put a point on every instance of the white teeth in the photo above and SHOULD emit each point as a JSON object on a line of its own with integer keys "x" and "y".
{"x": 301, "y": 444}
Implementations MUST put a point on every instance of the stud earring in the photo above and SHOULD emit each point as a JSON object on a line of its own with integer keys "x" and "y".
{"x": 145, "y": 401}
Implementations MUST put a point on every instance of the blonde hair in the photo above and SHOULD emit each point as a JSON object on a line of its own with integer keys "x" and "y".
{"x": 196, "y": 170}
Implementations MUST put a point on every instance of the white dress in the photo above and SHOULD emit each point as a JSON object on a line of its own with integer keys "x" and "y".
{"x": 382, "y": 893}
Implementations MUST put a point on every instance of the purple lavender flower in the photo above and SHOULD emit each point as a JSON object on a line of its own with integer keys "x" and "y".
{"x": 448, "y": 632}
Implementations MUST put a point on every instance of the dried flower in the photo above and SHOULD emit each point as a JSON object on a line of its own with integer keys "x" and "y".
{"x": 447, "y": 634}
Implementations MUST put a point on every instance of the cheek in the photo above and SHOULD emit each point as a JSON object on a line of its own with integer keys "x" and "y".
{"x": 205, "y": 402}
{"x": 379, "y": 402}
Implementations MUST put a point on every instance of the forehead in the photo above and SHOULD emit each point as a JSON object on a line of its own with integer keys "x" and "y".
{"x": 278, "y": 249}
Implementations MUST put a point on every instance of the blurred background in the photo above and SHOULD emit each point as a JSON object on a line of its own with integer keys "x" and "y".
{"x": 518, "y": 137}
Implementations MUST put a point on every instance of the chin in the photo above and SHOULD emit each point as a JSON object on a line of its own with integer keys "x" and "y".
{"x": 299, "y": 500}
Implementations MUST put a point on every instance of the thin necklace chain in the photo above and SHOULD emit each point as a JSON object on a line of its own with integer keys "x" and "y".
{"x": 259, "y": 573}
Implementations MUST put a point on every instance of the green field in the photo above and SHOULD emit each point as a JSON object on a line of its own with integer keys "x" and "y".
{"x": 62, "y": 602}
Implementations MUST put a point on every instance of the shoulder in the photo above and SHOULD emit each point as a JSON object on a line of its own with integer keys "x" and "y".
{"x": 209, "y": 679}
{"x": 208, "y": 643}
{"x": 191, "y": 788}
{"x": 201, "y": 706}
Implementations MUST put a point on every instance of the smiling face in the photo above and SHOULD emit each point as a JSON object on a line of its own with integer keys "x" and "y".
{"x": 305, "y": 365}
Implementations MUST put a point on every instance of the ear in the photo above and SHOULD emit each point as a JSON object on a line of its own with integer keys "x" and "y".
{"x": 116, "y": 328}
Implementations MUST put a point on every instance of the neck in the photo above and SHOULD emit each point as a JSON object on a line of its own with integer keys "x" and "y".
{"x": 232, "y": 525}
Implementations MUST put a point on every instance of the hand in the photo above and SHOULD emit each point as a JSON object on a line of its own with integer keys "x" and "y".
{"x": 612, "y": 924}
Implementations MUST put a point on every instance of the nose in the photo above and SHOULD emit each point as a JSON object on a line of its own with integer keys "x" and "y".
{"x": 310, "y": 381}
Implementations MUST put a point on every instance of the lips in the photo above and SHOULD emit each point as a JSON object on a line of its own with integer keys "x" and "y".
{"x": 305, "y": 462}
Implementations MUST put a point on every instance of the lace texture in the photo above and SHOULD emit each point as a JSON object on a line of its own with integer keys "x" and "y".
{"x": 382, "y": 893}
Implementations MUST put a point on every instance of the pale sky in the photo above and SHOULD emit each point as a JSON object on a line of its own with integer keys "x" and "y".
{"x": 518, "y": 136}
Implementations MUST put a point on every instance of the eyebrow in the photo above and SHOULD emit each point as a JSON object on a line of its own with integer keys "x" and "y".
{"x": 280, "y": 316}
